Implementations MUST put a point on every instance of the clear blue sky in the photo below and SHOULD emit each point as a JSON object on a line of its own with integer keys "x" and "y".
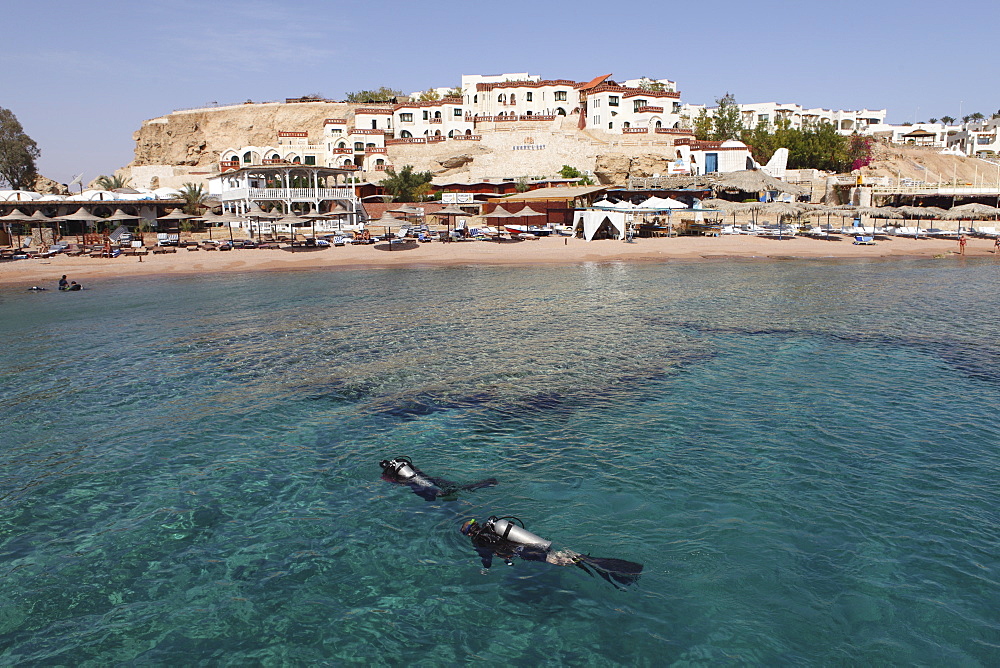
{"x": 81, "y": 77}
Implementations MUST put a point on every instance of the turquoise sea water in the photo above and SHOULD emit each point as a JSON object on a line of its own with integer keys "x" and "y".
{"x": 803, "y": 454}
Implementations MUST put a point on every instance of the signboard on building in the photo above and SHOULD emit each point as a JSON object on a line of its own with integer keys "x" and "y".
{"x": 456, "y": 198}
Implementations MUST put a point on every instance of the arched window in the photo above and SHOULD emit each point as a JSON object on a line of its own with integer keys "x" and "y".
{"x": 501, "y": 98}
{"x": 513, "y": 98}
{"x": 560, "y": 112}
{"x": 246, "y": 157}
{"x": 437, "y": 114}
{"x": 626, "y": 124}
{"x": 275, "y": 156}
{"x": 370, "y": 145}
{"x": 475, "y": 99}
{"x": 437, "y": 133}
{"x": 659, "y": 125}
{"x": 405, "y": 133}
{"x": 358, "y": 146}
{"x": 341, "y": 145}
{"x": 296, "y": 160}
{"x": 468, "y": 133}
{"x": 451, "y": 133}
{"x": 380, "y": 161}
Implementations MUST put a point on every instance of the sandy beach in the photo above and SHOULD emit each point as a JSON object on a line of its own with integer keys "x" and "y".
{"x": 553, "y": 250}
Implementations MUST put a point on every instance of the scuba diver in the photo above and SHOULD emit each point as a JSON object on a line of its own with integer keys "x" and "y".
{"x": 403, "y": 472}
{"x": 506, "y": 537}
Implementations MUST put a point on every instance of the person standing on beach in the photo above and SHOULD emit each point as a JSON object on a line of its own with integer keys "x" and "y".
{"x": 996, "y": 245}
{"x": 63, "y": 283}
{"x": 961, "y": 244}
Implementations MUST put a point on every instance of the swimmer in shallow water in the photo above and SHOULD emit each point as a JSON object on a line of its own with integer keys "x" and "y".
{"x": 506, "y": 537}
{"x": 402, "y": 471}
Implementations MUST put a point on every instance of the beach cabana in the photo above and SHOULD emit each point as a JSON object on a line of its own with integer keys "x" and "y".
{"x": 607, "y": 220}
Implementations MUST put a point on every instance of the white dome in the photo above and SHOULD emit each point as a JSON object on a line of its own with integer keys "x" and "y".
{"x": 733, "y": 143}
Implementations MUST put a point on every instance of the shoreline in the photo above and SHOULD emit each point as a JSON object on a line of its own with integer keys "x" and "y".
{"x": 544, "y": 251}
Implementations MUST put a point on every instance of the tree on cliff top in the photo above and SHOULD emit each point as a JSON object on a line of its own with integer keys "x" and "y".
{"x": 18, "y": 152}
{"x": 380, "y": 94}
{"x": 406, "y": 185}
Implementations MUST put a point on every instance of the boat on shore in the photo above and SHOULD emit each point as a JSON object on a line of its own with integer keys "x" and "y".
{"x": 528, "y": 229}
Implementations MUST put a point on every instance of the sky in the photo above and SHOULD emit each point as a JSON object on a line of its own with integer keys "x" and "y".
{"x": 82, "y": 77}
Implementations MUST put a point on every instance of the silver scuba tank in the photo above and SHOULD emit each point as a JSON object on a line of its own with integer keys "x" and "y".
{"x": 507, "y": 530}
{"x": 403, "y": 469}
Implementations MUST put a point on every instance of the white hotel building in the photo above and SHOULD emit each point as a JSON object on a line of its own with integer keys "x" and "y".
{"x": 846, "y": 121}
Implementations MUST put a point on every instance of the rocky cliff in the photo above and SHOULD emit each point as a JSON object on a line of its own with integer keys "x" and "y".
{"x": 186, "y": 146}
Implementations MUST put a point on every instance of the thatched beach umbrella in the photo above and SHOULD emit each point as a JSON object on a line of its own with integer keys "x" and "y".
{"x": 973, "y": 211}
{"x": 447, "y": 213}
{"x": 387, "y": 221}
{"x": 313, "y": 216}
{"x": 499, "y": 214}
{"x": 780, "y": 210}
{"x": 228, "y": 218}
{"x": 177, "y": 216}
{"x": 918, "y": 212}
{"x": 40, "y": 219}
{"x": 753, "y": 181}
{"x": 15, "y": 216}
{"x": 292, "y": 220}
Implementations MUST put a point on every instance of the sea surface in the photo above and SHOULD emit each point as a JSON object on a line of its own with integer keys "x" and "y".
{"x": 804, "y": 455}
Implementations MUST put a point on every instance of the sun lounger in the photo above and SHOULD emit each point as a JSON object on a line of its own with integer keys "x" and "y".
{"x": 864, "y": 241}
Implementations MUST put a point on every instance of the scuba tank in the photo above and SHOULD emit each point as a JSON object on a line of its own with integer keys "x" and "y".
{"x": 404, "y": 470}
{"x": 512, "y": 529}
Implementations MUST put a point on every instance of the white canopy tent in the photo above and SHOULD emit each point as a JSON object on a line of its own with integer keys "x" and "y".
{"x": 592, "y": 220}
{"x": 660, "y": 204}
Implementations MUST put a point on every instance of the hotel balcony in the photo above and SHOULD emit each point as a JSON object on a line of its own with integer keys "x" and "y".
{"x": 649, "y": 110}
{"x": 293, "y": 194}
{"x": 374, "y": 149}
{"x": 229, "y": 165}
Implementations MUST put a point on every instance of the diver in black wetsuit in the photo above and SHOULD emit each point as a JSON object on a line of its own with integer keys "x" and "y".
{"x": 402, "y": 472}
{"x": 506, "y": 537}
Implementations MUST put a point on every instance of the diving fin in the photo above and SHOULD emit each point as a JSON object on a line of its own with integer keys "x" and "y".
{"x": 614, "y": 571}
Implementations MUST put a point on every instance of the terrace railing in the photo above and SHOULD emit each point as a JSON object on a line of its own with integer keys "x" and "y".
{"x": 287, "y": 193}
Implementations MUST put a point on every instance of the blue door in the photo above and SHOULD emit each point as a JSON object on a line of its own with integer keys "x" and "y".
{"x": 711, "y": 162}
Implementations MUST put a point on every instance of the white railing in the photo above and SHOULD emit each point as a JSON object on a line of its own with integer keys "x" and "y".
{"x": 937, "y": 189}
{"x": 286, "y": 193}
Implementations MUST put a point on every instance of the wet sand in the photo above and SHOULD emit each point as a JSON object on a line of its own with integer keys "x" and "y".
{"x": 551, "y": 250}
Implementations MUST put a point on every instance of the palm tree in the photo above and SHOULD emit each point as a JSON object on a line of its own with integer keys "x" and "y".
{"x": 105, "y": 182}
{"x": 947, "y": 120}
{"x": 193, "y": 195}
{"x": 932, "y": 121}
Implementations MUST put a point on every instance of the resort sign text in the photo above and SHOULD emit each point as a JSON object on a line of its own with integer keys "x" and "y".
{"x": 528, "y": 145}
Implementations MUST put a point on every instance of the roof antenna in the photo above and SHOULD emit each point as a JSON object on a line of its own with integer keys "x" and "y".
{"x": 77, "y": 180}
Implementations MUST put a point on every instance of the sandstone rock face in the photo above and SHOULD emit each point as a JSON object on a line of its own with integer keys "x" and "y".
{"x": 616, "y": 168}
{"x": 46, "y": 186}
{"x": 186, "y": 146}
